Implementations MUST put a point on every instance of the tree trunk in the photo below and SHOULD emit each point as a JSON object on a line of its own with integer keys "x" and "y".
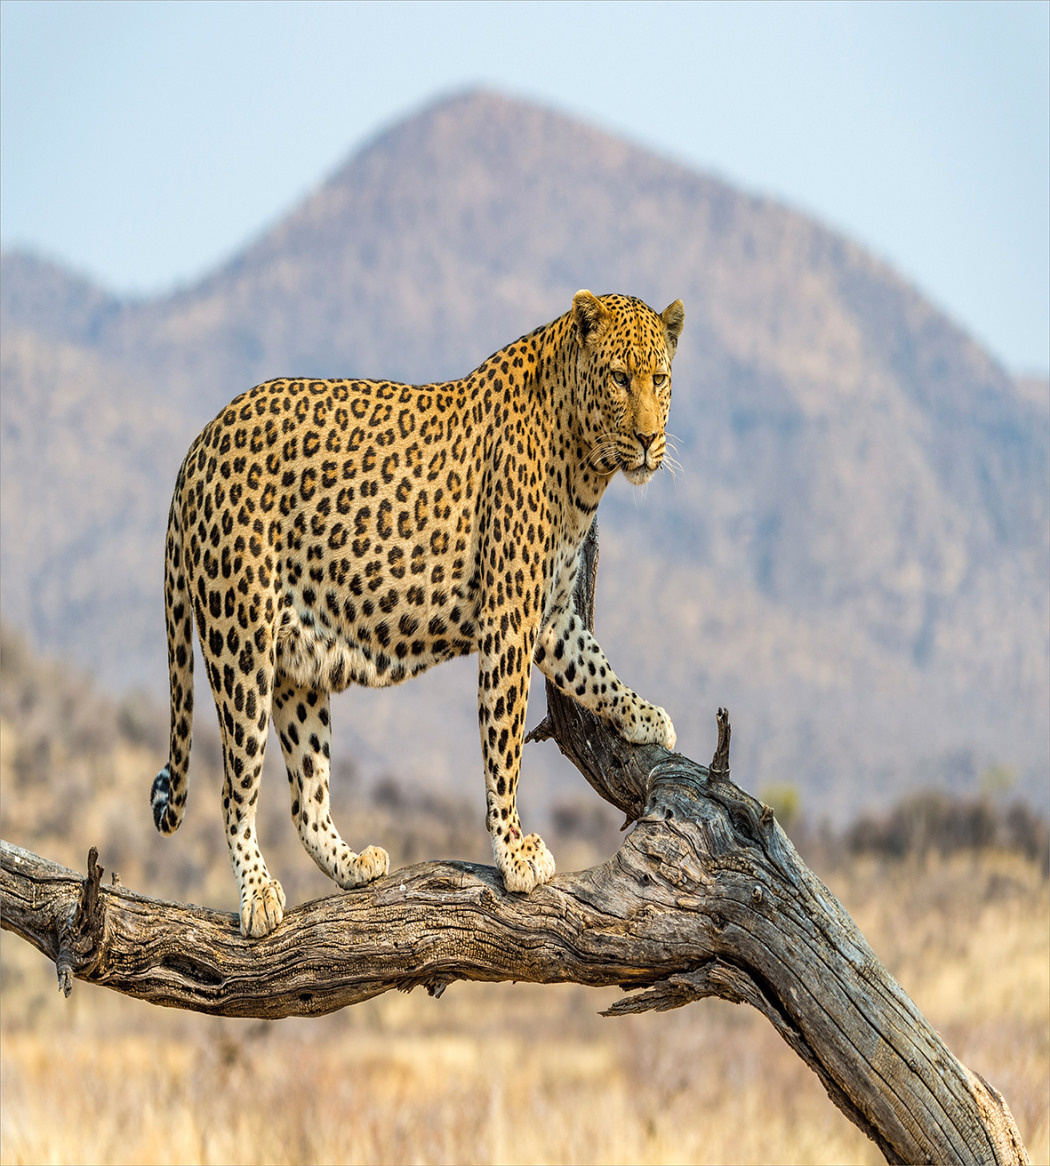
{"x": 706, "y": 897}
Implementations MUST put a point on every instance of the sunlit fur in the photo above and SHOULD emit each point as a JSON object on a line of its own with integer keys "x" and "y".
{"x": 324, "y": 534}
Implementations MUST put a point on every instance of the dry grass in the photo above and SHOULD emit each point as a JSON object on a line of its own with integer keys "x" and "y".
{"x": 502, "y": 1073}
{"x": 391, "y": 1088}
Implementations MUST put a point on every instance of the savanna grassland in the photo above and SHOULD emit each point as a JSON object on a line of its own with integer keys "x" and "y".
{"x": 486, "y": 1073}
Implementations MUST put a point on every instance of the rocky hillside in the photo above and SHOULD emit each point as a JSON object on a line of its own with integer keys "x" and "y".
{"x": 854, "y": 556}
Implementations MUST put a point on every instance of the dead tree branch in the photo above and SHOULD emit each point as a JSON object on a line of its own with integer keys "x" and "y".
{"x": 706, "y": 897}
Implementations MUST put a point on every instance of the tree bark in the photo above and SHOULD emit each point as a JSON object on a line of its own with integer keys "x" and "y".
{"x": 706, "y": 897}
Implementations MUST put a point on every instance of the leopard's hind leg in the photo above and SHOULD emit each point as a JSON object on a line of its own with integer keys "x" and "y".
{"x": 303, "y": 722}
{"x": 244, "y": 719}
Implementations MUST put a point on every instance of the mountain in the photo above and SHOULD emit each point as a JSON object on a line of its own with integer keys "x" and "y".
{"x": 853, "y": 556}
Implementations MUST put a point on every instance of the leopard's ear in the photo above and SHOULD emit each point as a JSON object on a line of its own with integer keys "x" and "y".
{"x": 588, "y": 314}
{"x": 673, "y": 317}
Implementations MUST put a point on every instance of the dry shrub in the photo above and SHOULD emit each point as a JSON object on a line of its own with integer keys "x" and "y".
{"x": 934, "y": 822}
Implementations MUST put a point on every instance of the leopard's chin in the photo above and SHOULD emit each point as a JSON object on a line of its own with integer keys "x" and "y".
{"x": 639, "y": 475}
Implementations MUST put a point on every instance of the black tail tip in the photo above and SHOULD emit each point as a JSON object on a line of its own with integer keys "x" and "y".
{"x": 158, "y": 798}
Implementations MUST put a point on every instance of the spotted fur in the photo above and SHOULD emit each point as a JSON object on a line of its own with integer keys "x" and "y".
{"x": 328, "y": 533}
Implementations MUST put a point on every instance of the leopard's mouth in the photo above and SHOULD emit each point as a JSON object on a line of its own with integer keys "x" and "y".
{"x": 641, "y": 472}
{"x": 637, "y": 465}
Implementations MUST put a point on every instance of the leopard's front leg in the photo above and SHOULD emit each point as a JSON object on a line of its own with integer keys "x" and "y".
{"x": 570, "y": 657}
{"x": 504, "y": 666}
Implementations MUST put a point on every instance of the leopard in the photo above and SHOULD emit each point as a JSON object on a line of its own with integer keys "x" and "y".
{"x": 328, "y": 533}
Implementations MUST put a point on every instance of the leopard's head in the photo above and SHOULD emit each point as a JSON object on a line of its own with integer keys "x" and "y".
{"x": 624, "y": 372}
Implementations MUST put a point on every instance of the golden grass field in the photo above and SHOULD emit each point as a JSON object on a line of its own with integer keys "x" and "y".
{"x": 505, "y": 1073}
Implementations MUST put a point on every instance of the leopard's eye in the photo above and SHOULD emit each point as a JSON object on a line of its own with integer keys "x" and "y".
{"x": 659, "y": 380}
{"x": 619, "y": 378}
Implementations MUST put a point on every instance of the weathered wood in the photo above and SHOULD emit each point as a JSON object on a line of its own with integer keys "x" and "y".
{"x": 706, "y": 897}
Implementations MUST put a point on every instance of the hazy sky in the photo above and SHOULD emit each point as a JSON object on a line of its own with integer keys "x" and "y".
{"x": 143, "y": 143}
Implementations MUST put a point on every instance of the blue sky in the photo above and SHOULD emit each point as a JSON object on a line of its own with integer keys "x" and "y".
{"x": 144, "y": 143}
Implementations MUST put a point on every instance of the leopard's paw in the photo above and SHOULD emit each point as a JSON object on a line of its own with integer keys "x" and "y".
{"x": 526, "y": 865}
{"x": 372, "y": 863}
{"x": 665, "y": 734}
{"x": 262, "y": 908}
{"x": 648, "y": 724}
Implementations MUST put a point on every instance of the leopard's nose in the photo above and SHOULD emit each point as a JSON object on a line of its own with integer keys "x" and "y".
{"x": 645, "y": 439}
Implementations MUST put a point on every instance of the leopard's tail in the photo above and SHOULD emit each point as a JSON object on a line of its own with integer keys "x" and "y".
{"x": 168, "y": 795}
